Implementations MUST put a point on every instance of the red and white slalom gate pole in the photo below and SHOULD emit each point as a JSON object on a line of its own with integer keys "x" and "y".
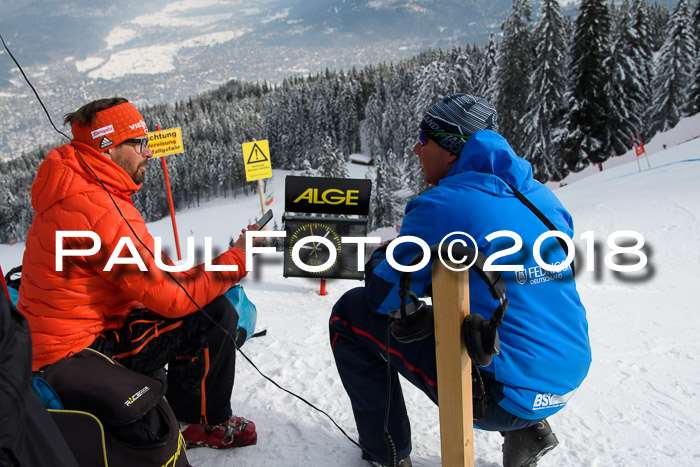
{"x": 636, "y": 150}
{"x": 170, "y": 201}
{"x": 323, "y": 288}
{"x": 641, "y": 143}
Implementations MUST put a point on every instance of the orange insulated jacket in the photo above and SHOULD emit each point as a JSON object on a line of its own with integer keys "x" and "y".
{"x": 67, "y": 309}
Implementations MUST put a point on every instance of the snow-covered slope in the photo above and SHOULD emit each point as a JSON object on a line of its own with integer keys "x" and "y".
{"x": 639, "y": 405}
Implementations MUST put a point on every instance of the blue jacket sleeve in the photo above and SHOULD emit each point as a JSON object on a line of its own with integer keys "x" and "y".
{"x": 376, "y": 288}
{"x": 383, "y": 283}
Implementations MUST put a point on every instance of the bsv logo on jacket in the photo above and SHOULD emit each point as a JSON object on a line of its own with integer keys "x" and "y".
{"x": 548, "y": 401}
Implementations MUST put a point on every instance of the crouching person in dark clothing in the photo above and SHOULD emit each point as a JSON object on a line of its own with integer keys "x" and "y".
{"x": 545, "y": 351}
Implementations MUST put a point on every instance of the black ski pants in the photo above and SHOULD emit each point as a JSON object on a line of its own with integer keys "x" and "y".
{"x": 200, "y": 356}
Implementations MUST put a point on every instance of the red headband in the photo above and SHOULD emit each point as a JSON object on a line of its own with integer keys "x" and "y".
{"x": 111, "y": 127}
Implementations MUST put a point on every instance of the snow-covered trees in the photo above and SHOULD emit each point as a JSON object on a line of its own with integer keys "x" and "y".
{"x": 16, "y": 178}
{"x": 390, "y": 191}
{"x": 515, "y": 63}
{"x": 603, "y": 60}
{"x": 436, "y": 80}
{"x": 694, "y": 91}
{"x": 542, "y": 125}
{"x": 589, "y": 127}
{"x": 331, "y": 161}
{"x": 486, "y": 86}
{"x": 659, "y": 16}
{"x": 644, "y": 60}
{"x": 674, "y": 70}
{"x": 627, "y": 88}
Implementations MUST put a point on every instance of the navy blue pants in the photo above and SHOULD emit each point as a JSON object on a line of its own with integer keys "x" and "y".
{"x": 358, "y": 340}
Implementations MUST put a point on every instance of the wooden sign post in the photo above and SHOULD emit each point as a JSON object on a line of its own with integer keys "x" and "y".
{"x": 451, "y": 305}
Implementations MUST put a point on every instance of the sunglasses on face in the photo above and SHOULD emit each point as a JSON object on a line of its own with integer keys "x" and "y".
{"x": 424, "y": 135}
{"x": 142, "y": 142}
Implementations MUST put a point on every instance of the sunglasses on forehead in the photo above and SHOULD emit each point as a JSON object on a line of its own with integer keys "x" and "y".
{"x": 424, "y": 135}
{"x": 142, "y": 142}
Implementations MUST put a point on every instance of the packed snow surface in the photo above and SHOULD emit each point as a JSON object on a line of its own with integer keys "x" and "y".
{"x": 639, "y": 404}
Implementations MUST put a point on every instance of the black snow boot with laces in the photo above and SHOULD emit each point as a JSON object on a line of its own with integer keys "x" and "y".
{"x": 524, "y": 447}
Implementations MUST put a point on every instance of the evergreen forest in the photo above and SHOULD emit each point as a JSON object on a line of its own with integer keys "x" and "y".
{"x": 570, "y": 92}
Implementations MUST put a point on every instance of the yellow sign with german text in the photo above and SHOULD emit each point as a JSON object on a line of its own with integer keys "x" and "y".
{"x": 165, "y": 142}
{"x": 256, "y": 158}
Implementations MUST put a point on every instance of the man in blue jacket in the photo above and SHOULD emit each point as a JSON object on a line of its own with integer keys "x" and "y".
{"x": 545, "y": 352}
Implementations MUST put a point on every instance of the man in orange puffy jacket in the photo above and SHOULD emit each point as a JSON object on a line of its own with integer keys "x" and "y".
{"x": 143, "y": 319}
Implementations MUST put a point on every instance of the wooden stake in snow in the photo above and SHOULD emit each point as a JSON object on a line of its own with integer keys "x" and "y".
{"x": 451, "y": 307}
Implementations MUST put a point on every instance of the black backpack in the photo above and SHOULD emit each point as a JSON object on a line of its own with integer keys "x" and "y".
{"x": 112, "y": 415}
{"x": 28, "y": 434}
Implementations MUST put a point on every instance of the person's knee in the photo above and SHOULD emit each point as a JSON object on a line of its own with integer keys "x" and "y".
{"x": 222, "y": 311}
{"x": 351, "y": 301}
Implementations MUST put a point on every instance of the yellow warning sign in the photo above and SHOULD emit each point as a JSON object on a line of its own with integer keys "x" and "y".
{"x": 256, "y": 158}
{"x": 165, "y": 142}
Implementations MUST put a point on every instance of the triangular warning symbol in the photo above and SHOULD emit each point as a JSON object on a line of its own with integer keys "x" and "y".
{"x": 256, "y": 155}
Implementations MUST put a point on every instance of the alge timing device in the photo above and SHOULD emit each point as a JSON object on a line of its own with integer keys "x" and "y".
{"x": 330, "y": 257}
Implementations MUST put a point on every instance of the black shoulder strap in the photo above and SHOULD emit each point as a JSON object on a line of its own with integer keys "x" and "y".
{"x": 541, "y": 217}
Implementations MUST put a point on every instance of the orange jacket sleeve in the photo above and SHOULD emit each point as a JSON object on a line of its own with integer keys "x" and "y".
{"x": 162, "y": 292}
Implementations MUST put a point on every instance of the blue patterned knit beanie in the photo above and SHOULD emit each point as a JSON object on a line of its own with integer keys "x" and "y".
{"x": 458, "y": 114}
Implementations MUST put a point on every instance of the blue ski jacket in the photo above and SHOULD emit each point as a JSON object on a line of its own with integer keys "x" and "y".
{"x": 545, "y": 351}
